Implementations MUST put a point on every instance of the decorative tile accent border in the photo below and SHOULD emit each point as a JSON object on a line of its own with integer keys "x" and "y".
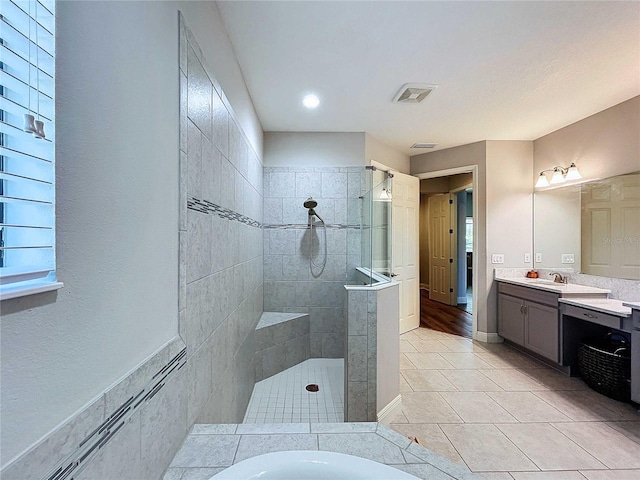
{"x": 76, "y": 461}
{"x": 205, "y": 206}
{"x": 304, "y": 226}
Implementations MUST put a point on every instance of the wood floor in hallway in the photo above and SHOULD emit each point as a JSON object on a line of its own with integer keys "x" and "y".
{"x": 444, "y": 318}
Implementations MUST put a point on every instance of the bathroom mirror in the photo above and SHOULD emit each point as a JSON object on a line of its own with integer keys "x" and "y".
{"x": 593, "y": 227}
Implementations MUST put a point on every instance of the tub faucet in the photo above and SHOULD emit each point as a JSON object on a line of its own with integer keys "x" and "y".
{"x": 558, "y": 277}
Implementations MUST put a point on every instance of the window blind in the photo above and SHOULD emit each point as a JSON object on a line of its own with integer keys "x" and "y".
{"x": 27, "y": 167}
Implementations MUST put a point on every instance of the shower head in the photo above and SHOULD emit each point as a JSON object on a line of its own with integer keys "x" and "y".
{"x": 310, "y": 203}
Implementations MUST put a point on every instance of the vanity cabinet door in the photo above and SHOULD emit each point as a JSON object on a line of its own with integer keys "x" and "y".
{"x": 541, "y": 330}
{"x": 511, "y": 318}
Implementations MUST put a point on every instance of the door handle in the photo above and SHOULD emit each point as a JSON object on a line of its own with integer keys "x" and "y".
{"x": 394, "y": 275}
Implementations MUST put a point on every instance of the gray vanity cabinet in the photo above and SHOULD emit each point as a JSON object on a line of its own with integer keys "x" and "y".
{"x": 530, "y": 318}
{"x": 511, "y": 318}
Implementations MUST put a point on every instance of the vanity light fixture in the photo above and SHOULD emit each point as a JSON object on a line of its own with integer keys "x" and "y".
{"x": 385, "y": 195}
{"x": 560, "y": 175}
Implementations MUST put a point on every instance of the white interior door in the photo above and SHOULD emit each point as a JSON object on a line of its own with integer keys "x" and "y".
{"x": 405, "y": 247}
{"x": 441, "y": 247}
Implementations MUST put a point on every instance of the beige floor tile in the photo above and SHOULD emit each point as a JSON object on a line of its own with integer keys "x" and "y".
{"x": 470, "y": 380}
{"x": 486, "y": 448}
{"x": 404, "y": 386}
{"x": 428, "y": 334}
{"x": 549, "y": 450}
{"x": 512, "y": 380}
{"x": 564, "y": 475}
{"x": 432, "y": 437}
{"x": 463, "y": 345}
{"x": 428, "y": 361}
{"x": 497, "y": 476}
{"x": 630, "y": 429}
{"x": 428, "y": 407}
{"x": 427, "y": 381}
{"x": 509, "y": 358}
{"x": 406, "y": 346}
{"x": 526, "y": 407}
{"x": 609, "y": 446}
{"x": 405, "y": 364}
{"x": 477, "y": 407}
{"x": 579, "y": 405}
{"x": 468, "y": 361}
{"x": 410, "y": 336}
{"x": 429, "y": 346}
{"x": 399, "y": 417}
{"x": 611, "y": 474}
{"x": 554, "y": 380}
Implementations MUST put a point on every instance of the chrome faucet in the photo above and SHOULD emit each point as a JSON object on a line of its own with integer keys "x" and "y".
{"x": 558, "y": 277}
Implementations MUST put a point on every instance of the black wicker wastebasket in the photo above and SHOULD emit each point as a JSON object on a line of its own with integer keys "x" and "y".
{"x": 605, "y": 366}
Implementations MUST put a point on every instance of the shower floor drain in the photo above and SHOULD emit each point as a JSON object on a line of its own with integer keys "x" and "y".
{"x": 312, "y": 387}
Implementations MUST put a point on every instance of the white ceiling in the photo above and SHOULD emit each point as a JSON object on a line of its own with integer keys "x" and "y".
{"x": 504, "y": 70}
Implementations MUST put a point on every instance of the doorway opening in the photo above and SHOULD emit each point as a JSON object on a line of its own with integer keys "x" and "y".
{"x": 447, "y": 226}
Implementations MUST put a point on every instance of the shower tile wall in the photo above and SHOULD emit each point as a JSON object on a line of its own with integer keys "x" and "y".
{"x": 290, "y": 284}
{"x": 221, "y": 240}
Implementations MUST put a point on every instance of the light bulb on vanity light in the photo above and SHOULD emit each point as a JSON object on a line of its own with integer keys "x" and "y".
{"x": 542, "y": 181}
{"x": 385, "y": 195}
{"x": 573, "y": 173}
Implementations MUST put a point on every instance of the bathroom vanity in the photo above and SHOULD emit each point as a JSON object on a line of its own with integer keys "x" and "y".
{"x": 551, "y": 320}
{"x": 529, "y": 312}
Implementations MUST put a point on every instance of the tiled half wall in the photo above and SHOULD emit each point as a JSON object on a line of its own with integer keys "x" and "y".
{"x": 291, "y": 284}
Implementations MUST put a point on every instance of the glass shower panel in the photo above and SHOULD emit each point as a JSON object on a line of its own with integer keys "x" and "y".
{"x": 375, "y": 227}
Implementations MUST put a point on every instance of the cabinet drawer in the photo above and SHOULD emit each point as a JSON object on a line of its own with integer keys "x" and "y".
{"x": 532, "y": 294}
{"x": 592, "y": 316}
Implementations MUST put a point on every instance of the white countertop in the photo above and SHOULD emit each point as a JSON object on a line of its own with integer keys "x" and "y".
{"x": 563, "y": 289}
{"x": 632, "y": 305}
{"x": 604, "y": 305}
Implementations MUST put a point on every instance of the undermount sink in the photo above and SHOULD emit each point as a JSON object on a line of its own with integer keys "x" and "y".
{"x": 547, "y": 282}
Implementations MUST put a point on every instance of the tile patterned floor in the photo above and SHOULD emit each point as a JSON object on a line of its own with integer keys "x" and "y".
{"x": 282, "y": 398}
{"x": 509, "y": 417}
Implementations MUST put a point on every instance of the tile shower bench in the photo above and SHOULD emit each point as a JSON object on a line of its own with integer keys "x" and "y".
{"x": 209, "y": 449}
{"x": 282, "y": 341}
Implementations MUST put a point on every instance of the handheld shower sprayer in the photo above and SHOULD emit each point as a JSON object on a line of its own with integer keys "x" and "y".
{"x": 311, "y": 204}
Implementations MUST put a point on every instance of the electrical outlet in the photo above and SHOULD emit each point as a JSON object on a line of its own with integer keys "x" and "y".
{"x": 527, "y": 258}
{"x": 497, "y": 258}
{"x": 568, "y": 258}
{"x": 538, "y": 258}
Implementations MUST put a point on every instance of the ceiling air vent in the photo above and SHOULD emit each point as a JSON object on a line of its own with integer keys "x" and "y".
{"x": 414, "y": 92}
{"x": 424, "y": 145}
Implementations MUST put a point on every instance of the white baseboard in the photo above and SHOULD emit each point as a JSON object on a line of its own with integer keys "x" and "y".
{"x": 488, "y": 337}
{"x": 388, "y": 412}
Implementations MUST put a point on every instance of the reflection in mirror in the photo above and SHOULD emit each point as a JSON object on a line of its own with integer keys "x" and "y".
{"x": 593, "y": 228}
{"x": 611, "y": 227}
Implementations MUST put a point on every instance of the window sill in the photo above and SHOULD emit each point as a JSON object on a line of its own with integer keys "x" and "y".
{"x": 15, "y": 291}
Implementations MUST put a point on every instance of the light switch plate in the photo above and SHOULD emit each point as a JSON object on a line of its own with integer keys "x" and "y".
{"x": 527, "y": 258}
{"x": 497, "y": 258}
{"x": 538, "y": 257}
{"x": 568, "y": 258}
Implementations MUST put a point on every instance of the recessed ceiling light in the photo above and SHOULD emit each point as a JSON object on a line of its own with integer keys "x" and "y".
{"x": 311, "y": 101}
